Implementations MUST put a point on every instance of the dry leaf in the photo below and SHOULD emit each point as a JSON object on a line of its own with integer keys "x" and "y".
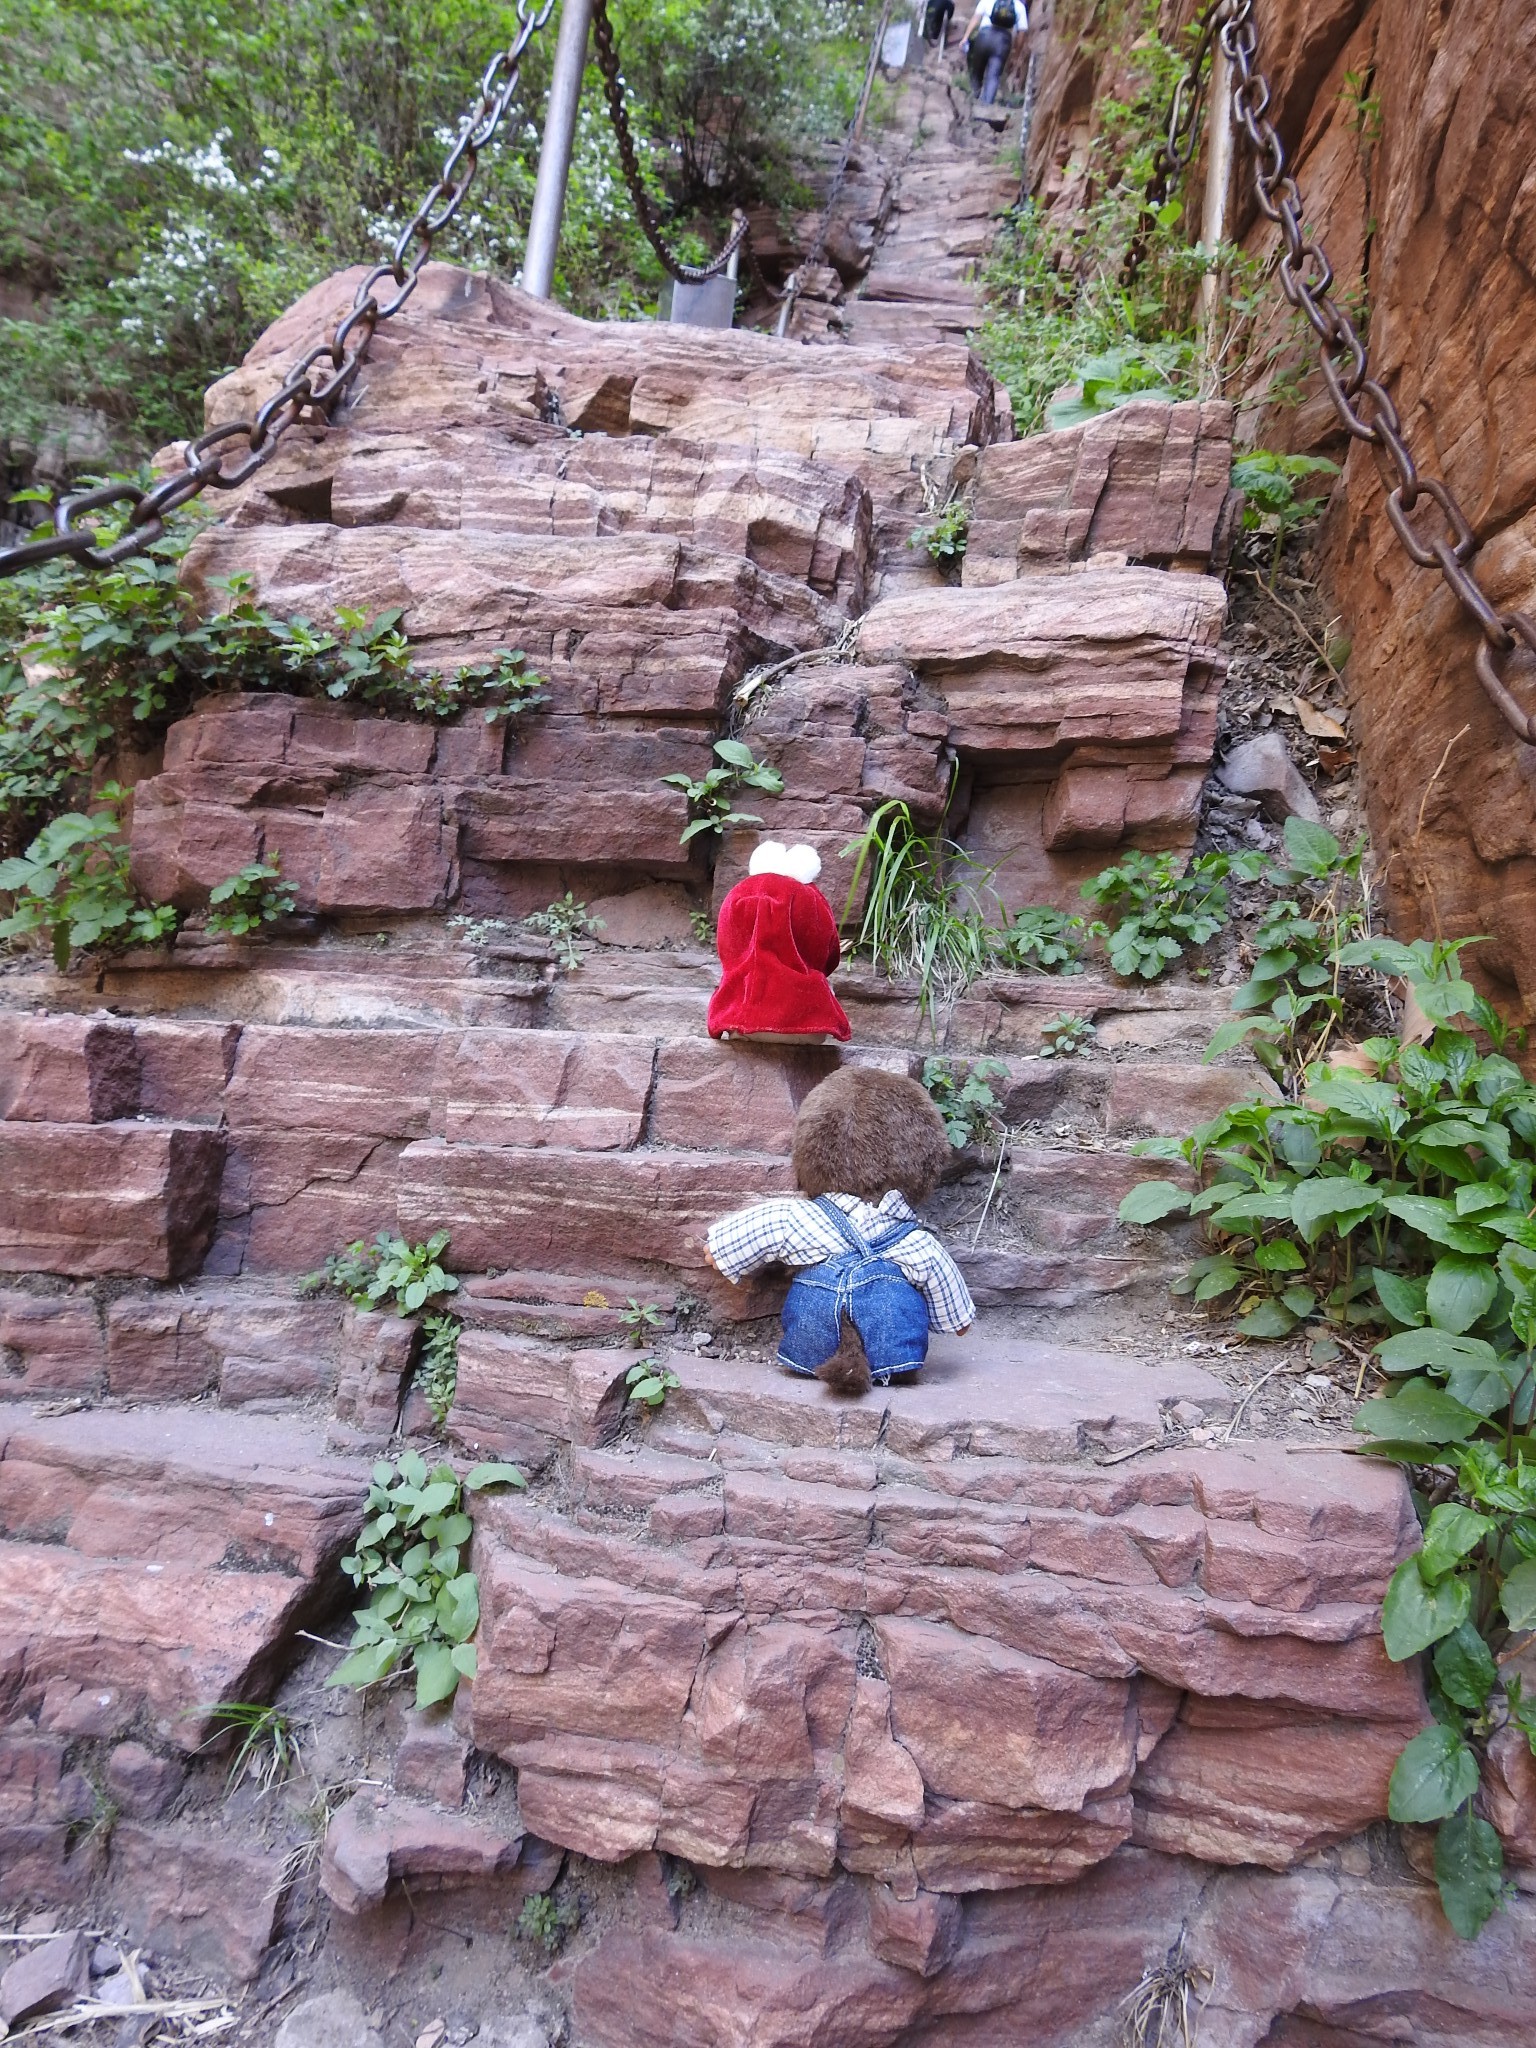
{"x": 1317, "y": 725}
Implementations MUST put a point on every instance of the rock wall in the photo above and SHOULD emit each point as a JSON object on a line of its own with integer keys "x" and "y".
{"x": 1412, "y": 133}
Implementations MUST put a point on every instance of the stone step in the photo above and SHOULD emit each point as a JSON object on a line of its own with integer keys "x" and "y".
{"x": 157, "y": 1560}
{"x": 744, "y": 1639}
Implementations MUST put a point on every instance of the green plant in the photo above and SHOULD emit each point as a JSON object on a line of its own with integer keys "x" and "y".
{"x": 73, "y": 882}
{"x": 256, "y": 896}
{"x": 966, "y": 1099}
{"x": 915, "y": 922}
{"x": 1041, "y": 940}
{"x": 90, "y": 659}
{"x": 1361, "y": 105}
{"x": 945, "y": 534}
{"x": 1063, "y": 1037}
{"x": 639, "y": 1319}
{"x": 267, "y": 1749}
{"x": 711, "y": 797}
{"x": 1299, "y": 989}
{"x": 371, "y": 1275}
{"x": 1157, "y": 908}
{"x": 1349, "y": 1203}
{"x": 1135, "y": 369}
{"x": 1268, "y": 482}
{"x": 408, "y": 1559}
{"x": 650, "y": 1382}
{"x": 548, "y": 1921}
{"x": 437, "y": 1372}
{"x": 563, "y": 923}
{"x": 703, "y": 927}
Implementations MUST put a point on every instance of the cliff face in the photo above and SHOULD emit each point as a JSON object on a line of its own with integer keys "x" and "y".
{"x": 1411, "y": 129}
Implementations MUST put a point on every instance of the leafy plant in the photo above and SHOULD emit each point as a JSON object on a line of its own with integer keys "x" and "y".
{"x": 1157, "y": 907}
{"x": 1040, "y": 939}
{"x": 89, "y": 659}
{"x": 711, "y": 797}
{"x": 388, "y": 1269}
{"x": 945, "y": 534}
{"x": 1063, "y": 1037}
{"x": 73, "y": 882}
{"x": 267, "y": 1749}
{"x": 650, "y": 1382}
{"x": 639, "y": 1319}
{"x": 703, "y": 927}
{"x": 1135, "y": 369}
{"x": 563, "y": 923}
{"x": 966, "y": 1099}
{"x": 437, "y": 1372}
{"x": 548, "y": 1921}
{"x": 409, "y": 1560}
{"x": 1298, "y": 992}
{"x": 256, "y": 896}
{"x": 1268, "y": 482}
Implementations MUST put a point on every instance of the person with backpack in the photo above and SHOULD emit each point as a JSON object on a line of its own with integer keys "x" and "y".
{"x": 988, "y": 42}
{"x": 936, "y": 21}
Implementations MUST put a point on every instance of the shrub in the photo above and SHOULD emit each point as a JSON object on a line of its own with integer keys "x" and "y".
{"x": 650, "y": 1382}
{"x": 563, "y": 924}
{"x": 257, "y": 896}
{"x": 945, "y": 535}
{"x": 437, "y": 1373}
{"x": 711, "y": 796}
{"x": 1063, "y": 1037}
{"x": 1157, "y": 907}
{"x": 73, "y": 882}
{"x": 1271, "y": 504}
{"x": 966, "y": 1099}
{"x": 1041, "y": 940}
{"x": 422, "y": 1604}
{"x": 389, "y": 1269}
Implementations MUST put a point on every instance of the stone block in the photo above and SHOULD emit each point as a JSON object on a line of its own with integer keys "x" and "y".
{"x": 377, "y": 1839}
{"x": 918, "y": 1934}
{"x": 50, "y": 1344}
{"x": 541, "y": 1088}
{"x": 524, "y": 1398}
{"x": 211, "y": 1902}
{"x": 44, "y": 1978}
{"x": 67, "y": 1070}
{"x": 349, "y": 1082}
{"x": 96, "y": 1200}
{"x": 143, "y": 1785}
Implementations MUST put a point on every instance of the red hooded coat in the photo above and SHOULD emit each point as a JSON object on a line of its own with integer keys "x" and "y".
{"x": 777, "y": 941}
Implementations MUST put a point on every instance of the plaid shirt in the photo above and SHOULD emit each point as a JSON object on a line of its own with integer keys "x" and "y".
{"x": 788, "y": 1230}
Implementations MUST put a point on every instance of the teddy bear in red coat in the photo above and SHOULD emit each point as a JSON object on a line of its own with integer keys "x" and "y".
{"x": 777, "y": 941}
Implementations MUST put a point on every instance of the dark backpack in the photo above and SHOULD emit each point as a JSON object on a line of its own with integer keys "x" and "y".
{"x": 1003, "y": 15}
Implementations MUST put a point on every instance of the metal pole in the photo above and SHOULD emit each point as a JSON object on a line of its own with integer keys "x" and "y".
{"x": 1218, "y": 178}
{"x": 555, "y": 156}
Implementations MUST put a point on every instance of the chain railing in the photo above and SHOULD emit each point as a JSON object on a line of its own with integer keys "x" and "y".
{"x": 1364, "y": 408}
{"x": 645, "y": 212}
{"x": 225, "y": 456}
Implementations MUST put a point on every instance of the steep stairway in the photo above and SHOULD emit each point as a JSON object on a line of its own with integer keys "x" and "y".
{"x": 950, "y": 1705}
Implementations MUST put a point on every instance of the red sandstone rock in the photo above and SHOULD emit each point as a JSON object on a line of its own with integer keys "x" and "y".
{"x": 211, "y": 1901}
{"x": 67, "y": 1070}
{"x": 376, "y": 1839}
{"x": 1151, "y": 480}
{"x": 115, "y": 1198}
{"x": 44, "y": 1978}
{"x": 50, "y": 1344}
{"x": 918, "y": 1934}
{"x": 142, "y": 1784}
{"x": 432, "y": 1759}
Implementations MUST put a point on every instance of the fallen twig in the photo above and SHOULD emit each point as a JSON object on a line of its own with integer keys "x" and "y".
{"x": 1263, "y": 1380}
{"x": 1119, "y": 1457}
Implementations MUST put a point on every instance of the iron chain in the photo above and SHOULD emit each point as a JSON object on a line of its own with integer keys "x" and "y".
{"x": 225, "y": 456}
{"x": 645, "y": 213}
{"x": 1365, "y": 409}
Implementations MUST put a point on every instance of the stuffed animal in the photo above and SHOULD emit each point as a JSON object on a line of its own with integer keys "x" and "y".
{"x": 777, "y": 941}
{"x": 870, "y": 1280}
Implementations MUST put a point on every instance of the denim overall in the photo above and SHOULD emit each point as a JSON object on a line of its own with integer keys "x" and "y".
{"x": 889, "y": 1314}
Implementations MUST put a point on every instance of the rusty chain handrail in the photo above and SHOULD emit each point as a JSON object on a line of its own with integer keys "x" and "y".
{"x": 629, "y": 161}
{"x": 307, "y": 389}
{"x": 1364, "y": 408}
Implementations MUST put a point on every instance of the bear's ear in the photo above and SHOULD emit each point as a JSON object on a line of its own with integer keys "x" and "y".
{"x": 802, "y": 862}
{"x": 769, "y": 857}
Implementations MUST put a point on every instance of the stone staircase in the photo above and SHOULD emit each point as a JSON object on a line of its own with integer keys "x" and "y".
{"x": 956, "y": 1700}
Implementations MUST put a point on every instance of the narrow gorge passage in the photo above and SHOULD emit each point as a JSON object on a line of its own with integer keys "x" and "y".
{"x": 942, "y": 1717}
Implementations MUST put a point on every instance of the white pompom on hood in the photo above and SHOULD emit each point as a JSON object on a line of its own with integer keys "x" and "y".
{"x": 801, "y": 863}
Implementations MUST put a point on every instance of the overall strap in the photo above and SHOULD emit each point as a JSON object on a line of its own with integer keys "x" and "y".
{"x": 843, "y": 1224}
{"x": 901, "y": 1226}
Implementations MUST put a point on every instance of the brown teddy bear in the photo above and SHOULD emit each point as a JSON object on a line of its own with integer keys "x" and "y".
{"x": 870, "y": 1281}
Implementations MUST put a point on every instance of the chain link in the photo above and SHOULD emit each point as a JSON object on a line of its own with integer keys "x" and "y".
{"x": 645, "y": 213}
{"x": 1441, "y": 537}
{"x": 318, "y": 382}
